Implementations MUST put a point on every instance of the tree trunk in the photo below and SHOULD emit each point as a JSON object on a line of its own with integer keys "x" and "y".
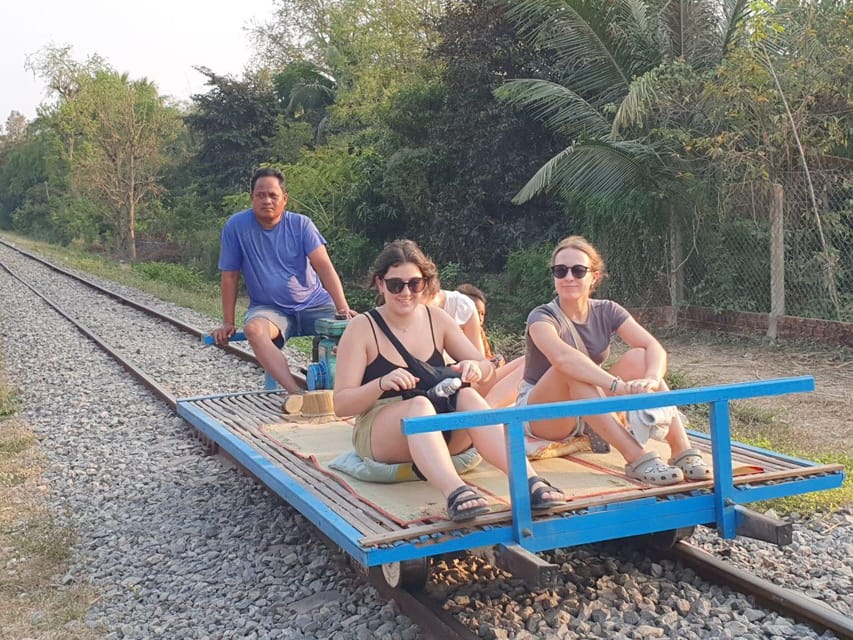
{"x": 131, "y": 233}
{"x": 131, "y": 214}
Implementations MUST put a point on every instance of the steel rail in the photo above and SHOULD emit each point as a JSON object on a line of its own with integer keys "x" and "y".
{"x": 421, "y": 607}
{"x": 426, "y": 611}
{"x": 235, "y": 351}
{"x": 789, "y": 603}
{"x": 158, "y": 390}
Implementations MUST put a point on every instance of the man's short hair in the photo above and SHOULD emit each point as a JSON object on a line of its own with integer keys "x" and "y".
{"x": 268, "y": 172}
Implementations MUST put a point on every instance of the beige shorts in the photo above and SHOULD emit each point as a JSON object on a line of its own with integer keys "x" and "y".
{"x": 524, "y": 389}
{"x": 363, "y": 428}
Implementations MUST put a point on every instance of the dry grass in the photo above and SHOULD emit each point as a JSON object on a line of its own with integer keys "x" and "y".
{"x": 34, "y": 546}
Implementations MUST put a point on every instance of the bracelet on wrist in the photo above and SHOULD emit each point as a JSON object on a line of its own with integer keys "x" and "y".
{"x": 614, "y": 383}
{"x": 380, "y": 384}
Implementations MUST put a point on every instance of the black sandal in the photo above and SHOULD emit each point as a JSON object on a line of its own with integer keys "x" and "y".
{"x": 461, "y": 495}
{"x": 537, "y": 499}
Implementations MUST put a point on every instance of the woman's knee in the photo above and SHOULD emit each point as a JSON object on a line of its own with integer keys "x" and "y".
{"x": 418, "y": 406}
{"x": 631, "y": 364}
{"x": 468, "y": 398}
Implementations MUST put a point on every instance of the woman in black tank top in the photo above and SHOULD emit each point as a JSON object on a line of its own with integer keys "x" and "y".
{"x": 373, "y": 377}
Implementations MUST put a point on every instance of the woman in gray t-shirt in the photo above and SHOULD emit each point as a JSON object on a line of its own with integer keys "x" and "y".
{"x": 557, "y": 369}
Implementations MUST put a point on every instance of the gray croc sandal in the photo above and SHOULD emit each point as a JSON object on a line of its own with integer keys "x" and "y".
{"x": 693, "y": 465}
{"x": 650, "y": 469}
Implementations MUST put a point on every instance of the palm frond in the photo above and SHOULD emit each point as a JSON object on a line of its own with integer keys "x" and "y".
{"x": 558, "y": 107}
{"x": 310, "y": 95}
{"x": 735, "y": 12}
{"x": 637, "y": 105}
{"x": 541, "y": 180}
{"x": 599, "y": 170}
{"x": 577, "y": 34}
{"x": 607, "y": 171}
{"x": 701, "y": 31}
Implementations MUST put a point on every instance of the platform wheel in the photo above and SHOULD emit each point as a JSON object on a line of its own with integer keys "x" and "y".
{"x": 411, "y": 575}
{"x": 664, "y": 540}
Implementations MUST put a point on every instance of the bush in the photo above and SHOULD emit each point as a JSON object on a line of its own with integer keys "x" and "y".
{"x": 351, "y": 253}
{"x": 524, "y": 285}
{"x": 168, "y": 273}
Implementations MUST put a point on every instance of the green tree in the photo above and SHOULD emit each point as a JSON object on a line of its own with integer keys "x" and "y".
{"x": 781, "y": 110}
{"x": 15, "y": 129}
{"x": 125, "y": 128}
{"x": 367, "y": 48}
{"x": 63, "y": 77}
{"x": 628, "y": 95}
{"x": 234, "y": 124}
{"x": 456, "y": 157}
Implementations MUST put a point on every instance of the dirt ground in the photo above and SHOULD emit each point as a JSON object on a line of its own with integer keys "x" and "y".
{"x": 820, "y": 422}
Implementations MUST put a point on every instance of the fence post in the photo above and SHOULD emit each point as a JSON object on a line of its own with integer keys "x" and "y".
{"x": 676, "y": 268}
{"x": 777, "y": 260}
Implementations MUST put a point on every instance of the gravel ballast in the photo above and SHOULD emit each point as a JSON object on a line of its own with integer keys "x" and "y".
{"x": 180, "y": 545}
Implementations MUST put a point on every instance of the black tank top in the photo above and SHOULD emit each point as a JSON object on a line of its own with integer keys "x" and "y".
{"x": 381, "y": 366}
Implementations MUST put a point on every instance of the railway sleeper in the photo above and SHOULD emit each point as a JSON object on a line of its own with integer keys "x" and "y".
{"x": 762, "y": 527}
{"x": 536, "y": 572}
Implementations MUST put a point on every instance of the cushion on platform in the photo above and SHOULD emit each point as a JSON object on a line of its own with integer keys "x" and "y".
{"x": 372, "y": 471}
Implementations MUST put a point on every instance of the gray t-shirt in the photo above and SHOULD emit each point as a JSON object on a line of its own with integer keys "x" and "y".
{"x": 605, "y": 317}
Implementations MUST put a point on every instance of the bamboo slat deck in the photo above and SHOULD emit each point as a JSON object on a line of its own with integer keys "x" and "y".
{"x": 246, "y": 415}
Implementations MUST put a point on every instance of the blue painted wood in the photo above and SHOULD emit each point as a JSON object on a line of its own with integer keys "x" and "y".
{"x": 790, "y": 487}
{"x": 631, "y": 517}
{"x": 721, "y": 450}
{"x": 238, "y": 336}
{"x": 699, "y": 395}
{"x": 522, "y": 516}
{"x": 717, "y": 396}
{"x": 277, "y": 480}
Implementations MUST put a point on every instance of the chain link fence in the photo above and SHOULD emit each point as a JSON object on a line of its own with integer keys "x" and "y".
{"x": 782, "y": 248}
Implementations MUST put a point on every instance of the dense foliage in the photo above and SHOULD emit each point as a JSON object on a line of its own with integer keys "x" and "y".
{"x": 486, "y": 130}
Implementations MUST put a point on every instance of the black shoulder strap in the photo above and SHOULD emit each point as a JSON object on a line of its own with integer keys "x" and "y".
{"x": 375, "y": 339}
{"x": 380, "y": 322}
{"x": 431, "y": 328}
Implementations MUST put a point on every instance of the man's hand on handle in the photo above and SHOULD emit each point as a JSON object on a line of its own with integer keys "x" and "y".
{"x": 224, "y": 332}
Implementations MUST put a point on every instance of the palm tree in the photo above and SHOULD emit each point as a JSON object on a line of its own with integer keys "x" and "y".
{"x": 626, "y": 65}
{"x": 613, "y": 53}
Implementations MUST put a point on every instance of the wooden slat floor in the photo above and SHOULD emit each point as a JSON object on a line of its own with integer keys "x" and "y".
{"x": 247, "y": 415}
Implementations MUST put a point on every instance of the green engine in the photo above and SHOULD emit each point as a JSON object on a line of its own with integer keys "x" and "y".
{"x": 321, "y": 372}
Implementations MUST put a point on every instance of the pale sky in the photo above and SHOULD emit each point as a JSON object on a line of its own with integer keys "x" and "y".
{"x": 157, "y": 39}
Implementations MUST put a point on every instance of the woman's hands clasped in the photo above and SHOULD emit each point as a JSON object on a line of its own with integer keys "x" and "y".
{"x": 469, "y": 370}
{"x": 640, "y": 385}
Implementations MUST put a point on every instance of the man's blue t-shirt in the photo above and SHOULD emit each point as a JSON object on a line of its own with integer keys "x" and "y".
{"x": 274, "y": 262}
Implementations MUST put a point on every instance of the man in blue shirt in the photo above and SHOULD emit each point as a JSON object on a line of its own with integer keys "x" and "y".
{"x": 289, "y": 277}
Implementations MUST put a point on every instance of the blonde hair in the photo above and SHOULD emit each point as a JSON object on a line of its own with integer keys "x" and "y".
{"x": 579, "y": 243}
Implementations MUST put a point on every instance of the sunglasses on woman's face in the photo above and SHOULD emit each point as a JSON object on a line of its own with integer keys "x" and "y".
{"x": 560, "y": 271}
{"x": 395, "y": 285}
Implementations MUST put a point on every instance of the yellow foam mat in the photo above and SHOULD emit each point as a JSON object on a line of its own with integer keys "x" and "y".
{"x": 413, "y": 501}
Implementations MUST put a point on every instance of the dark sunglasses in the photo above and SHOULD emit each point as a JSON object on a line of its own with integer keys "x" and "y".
{"x": 395, "y": 285}
{"x": 579, "y": 271}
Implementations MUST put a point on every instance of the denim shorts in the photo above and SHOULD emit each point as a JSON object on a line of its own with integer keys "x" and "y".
{"x": 524, "y": 389}
{"x": 291, "y": 325}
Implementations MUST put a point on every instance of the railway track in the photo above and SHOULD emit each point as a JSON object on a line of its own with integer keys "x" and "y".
{"x": 422, "y": 608}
